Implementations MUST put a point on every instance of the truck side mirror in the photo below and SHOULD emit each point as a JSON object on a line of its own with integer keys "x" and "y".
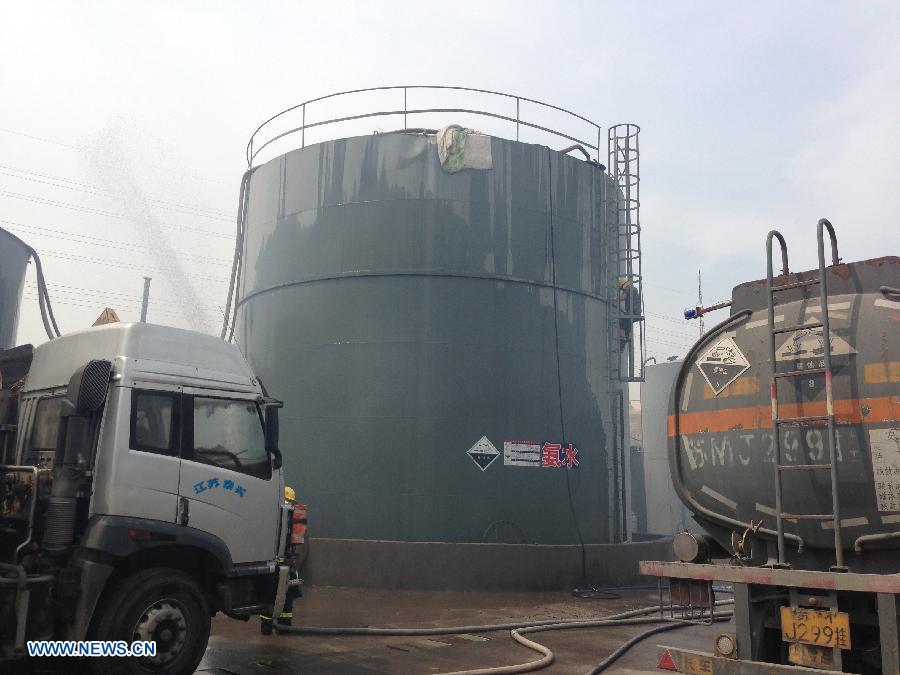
{"x": 89, "y": 385}
{"x": 272, "y": 434}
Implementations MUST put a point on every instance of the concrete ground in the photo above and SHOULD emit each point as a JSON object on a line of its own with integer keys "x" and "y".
{"x": 238, "y": 648}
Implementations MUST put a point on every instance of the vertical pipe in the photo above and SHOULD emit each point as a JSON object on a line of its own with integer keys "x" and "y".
{"x": 145, "y": 300}
{"x": 773, "y": 389}
{"x": 517, "y": 118}
{"x": 829, "y": 393}
{"x": 626, "y": 469}
{"x": 404, "y": 109}
{"x": 303, "y": 130}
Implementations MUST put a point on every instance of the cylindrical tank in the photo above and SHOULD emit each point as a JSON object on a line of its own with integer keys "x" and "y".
{"x": 666, "y": 515}
{"x": 14, "y": 256}
{"x": 420, "y": 326}
{"x": 720, "y": 427}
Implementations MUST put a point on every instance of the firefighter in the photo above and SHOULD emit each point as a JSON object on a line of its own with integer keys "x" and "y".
{"x": 295, "y": 537}
{"x": 629, "y": 307}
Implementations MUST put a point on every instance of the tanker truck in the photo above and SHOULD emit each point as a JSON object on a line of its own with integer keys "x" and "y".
{"x": 784, "y": 443}
{"x": 140, "y": 493}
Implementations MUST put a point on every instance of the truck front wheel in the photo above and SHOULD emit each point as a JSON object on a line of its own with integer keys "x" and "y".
{"x": 162, "y": 605}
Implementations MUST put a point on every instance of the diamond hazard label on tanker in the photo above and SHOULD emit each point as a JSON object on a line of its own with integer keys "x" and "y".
{"x": 885, "y": 447}
{"x": 483, "y": 453}
{"x": 722, "y": 364}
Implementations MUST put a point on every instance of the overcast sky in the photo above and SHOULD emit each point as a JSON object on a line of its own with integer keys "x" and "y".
{"x": 122, "y": 130}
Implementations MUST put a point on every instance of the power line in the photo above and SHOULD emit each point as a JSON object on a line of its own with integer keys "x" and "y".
{"x": 667, "y": 317}
{"x": 108, "y": 214}
{"x": 186, "y": 209}
{"x": 669, "y": 289}
{"x": 101, "y": 305}
{"x": 97, "y": 188}
{"x": 38, "y": 138}
{"x": 99, "y": 292}
{"x": 152, "y": 166}
{"x": 91, "y": 240}
{"x": 117, "y": 263}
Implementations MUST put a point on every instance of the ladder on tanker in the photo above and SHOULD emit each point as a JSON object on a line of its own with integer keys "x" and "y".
{"x": 777, "y": 420}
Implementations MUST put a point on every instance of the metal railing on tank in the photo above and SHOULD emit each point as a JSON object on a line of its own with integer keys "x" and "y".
{"x": 265, "y": 135}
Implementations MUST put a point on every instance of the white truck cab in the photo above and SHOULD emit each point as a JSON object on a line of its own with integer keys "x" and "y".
{"x": 144, "y": 494}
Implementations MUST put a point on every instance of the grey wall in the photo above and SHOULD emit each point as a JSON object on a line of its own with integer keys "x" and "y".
{"x": 476, "y": 567}
{"x": 403, "y": 312}
{"x": 13, "y": 263}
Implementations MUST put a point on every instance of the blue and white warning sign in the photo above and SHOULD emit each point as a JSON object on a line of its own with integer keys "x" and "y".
{"x": 522, "y": 453}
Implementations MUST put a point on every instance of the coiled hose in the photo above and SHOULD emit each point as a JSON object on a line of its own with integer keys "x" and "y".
{"x": 517, "y": 632}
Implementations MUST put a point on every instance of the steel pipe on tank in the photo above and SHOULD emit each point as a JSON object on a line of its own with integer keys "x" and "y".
{"x": 872, "y": 539}
{"x": 773, "y": 384}
{"x": 829, "y": 390}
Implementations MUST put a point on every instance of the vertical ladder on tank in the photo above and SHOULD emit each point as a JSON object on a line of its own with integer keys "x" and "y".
{"x": 607, "y": 197}
{"x": 777, "y": 420}
{"x": 624, "y": 157}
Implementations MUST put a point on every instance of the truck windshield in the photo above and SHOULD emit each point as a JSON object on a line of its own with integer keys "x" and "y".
{"x": 229, "y": 434}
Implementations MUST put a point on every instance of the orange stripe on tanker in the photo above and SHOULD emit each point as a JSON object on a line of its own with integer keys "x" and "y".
{"x": 873, "y": 410}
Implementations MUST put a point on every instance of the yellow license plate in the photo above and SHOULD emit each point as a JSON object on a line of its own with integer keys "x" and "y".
{"x": 815, "y": 627}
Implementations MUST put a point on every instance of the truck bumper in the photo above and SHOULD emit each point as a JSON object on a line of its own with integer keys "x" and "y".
{"x": 700, "y": 663}
{"x": 871, "y": 600}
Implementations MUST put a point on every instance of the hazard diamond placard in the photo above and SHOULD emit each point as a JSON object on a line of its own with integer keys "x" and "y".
{"x": 722, "y": 364}
{"x": 483, "y": 453}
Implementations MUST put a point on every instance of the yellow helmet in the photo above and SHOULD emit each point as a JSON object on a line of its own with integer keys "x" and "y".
{"x": 289, "y": 493}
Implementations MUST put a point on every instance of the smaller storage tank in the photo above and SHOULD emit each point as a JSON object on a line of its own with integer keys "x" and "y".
{"x": 14, "y": 256}
{"x": 666, "y": 515}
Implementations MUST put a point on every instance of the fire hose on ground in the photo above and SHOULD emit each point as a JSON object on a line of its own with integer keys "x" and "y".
{"x": 518, "y": 630}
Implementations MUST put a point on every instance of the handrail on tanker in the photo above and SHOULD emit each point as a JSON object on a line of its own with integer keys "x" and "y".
{"x": 253, "y": 149}
{"x": 784, "y": 253}
{"x": 825, "y": 223}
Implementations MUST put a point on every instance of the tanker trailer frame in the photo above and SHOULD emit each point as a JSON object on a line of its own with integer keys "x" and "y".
{"x": 808, "y": 596}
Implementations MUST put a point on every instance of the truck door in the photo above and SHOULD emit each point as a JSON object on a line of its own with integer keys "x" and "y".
{"x": 227, "y": 486}
{"x": 138, "y": 462}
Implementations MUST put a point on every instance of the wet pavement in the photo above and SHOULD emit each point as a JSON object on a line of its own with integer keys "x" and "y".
{"x": 238, "y": 648}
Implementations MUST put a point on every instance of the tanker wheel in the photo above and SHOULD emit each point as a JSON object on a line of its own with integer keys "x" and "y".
{"x": 162, "y": 605}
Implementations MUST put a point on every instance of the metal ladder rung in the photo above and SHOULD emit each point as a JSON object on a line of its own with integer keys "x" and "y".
{"x": 796, "y": 284}
{"x": 820, "y": 517}
{"x": 797, "y": 420}
{"x": 799, "y": 373}
{"x": 802, "y": 326}
{"x": 803, "y": 467}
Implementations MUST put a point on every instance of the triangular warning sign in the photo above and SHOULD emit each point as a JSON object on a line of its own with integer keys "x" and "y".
{"x": 722, "y": 364}
{"x": 808, "y": 343}
{"x": 108, "y": 315}
{"x": 666, "y": 662}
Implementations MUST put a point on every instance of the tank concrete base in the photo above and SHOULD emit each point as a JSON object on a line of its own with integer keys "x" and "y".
{"x": 476, "y": 567}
